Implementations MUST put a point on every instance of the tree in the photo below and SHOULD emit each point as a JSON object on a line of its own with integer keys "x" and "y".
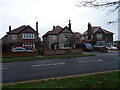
{"x": 104, "y": 4}
{"x": 70, "y": 41}
{"x": 101, "y": 4}
{"x": 52, "y": 46}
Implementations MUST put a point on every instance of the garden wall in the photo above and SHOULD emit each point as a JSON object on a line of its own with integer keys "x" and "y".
{"x": 18, "y": 54}
{"x": 62, "y": 51}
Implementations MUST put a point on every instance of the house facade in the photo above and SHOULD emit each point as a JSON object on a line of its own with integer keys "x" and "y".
{"x": 57, "y": 37}
{"x": 77, "y": 37}
{"x": 24, "y": 36}
{"x": 97, "y": 36}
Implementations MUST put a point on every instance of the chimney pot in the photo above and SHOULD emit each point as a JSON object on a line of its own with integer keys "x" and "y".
{"x": 53, "y": 26}
{"x": 69, "y": 24}
{"x": 37, "y": 26}
{"x": 9, "y": 28}
{"x": 89, "y": 25}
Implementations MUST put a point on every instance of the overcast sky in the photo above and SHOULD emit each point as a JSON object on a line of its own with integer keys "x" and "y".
{"x": 53, "y": 12}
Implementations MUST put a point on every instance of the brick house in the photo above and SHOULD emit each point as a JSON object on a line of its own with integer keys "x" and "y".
{"x": 77, "y": 37}
{"x": 97, "y": 36}
{"x": 58, "y": 37}
{"x": 24, "y": 36}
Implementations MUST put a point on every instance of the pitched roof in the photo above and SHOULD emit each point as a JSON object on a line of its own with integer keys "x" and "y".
{"x": 95, "y": 28}
{"x": 56, "y": 30}
{"x": 77, "y": 34}
{"x": 20, "y": 29}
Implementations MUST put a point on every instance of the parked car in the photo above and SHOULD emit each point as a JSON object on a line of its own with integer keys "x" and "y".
{"x": 111, "y": 47}
{"x": 108, "y": 47}
{"x": 21, "y": 49}
{"x": 85, "y": 46}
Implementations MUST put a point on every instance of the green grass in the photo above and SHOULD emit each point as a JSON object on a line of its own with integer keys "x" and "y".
{"x": 103, "y": 80}
{"x": 20, "y": 59}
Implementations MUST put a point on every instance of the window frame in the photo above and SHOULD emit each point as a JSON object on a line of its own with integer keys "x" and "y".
{"x": 29, "y": 46}
{"x": 14, "y": 36}
{"x": 99, "y": 35}
{"x": 28, "y": 36}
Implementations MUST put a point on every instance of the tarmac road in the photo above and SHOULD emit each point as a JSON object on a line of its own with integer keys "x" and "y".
{"x": 40, "y": 69}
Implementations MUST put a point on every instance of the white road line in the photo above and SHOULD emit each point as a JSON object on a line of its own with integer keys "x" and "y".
{"x": 4, "y": 68}
{"x": 41, "y": 65}
{"x": 90, "y": 61}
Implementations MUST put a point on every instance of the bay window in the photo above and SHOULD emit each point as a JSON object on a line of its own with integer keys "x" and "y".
{"x": 29, "y": 46}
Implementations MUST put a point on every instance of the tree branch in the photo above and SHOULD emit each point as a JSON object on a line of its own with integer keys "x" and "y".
{"x": 96, "y": 4}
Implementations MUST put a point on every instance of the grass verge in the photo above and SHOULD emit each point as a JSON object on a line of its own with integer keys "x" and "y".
{"x": 103, "y": 80}
{"x": 43, "y": 58}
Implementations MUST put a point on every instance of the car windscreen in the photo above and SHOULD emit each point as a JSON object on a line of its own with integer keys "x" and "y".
{"x": 88, "y": 45}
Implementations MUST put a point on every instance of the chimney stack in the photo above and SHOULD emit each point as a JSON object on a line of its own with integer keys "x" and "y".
{"x": 53, "y": 26}
{"x": 9, "y": 28}
{"x": 69, "y": 24}
{"x": 89, "y": 26}
{"x": 37, "y": 26}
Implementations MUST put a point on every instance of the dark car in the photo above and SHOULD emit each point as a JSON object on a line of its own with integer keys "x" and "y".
{"x": 85, "y": 46}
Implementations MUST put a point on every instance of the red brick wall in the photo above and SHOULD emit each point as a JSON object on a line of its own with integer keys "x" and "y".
{"x": 62, "y": 51}
{"x": 19, "y": 54}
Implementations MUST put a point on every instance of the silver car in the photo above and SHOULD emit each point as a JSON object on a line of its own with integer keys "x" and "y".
{"x": 21, "y": 49}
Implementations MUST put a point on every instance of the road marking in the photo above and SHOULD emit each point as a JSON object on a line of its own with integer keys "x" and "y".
{"x": 4, "y": 68}
{"x": 90, "y": 61}
{"x": 41, "y": 65}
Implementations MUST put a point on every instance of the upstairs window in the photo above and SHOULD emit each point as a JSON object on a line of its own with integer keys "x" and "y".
{"x": 99, "y": 36}
{"x": 66, "y": 31}
{"x": 28, "y": 36}
{"x": 53, "y": 37}
{"x": 66, "y": 36}
{"x": 91, "y": 35}
{"x": 14, "y": 36}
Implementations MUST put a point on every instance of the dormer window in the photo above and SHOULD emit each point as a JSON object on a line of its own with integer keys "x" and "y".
{"x": 14, "y": 36}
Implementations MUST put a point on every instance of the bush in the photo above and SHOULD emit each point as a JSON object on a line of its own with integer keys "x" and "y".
{"x": 101, "y": 49}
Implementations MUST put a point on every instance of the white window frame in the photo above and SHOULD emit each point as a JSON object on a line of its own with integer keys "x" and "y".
{"x": 91, "y": 35}
{"x": 54, "y": 37}
{"x": 28, "y": 36}
{"x": 100, "y": 42}
{"x": 14, "y": 36}
{"x": 83, "y": 38}
{"x": 29, "y": 46}
{"x": 66, "y": 36}
{"x": 99, "y": 35}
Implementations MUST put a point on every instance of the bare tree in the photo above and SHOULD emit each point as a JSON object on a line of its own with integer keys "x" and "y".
{"x": 101, "y": 4}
